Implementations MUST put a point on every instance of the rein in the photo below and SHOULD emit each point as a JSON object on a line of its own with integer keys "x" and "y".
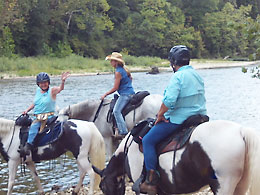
{"x": 11, "y": 140}
{"x": 98, "y": 110}
{"x": 126, "y": 152}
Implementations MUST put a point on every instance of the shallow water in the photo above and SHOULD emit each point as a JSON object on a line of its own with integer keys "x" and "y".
{"x": 231, "y": 95}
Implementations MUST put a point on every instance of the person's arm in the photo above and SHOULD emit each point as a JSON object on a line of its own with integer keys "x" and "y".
{"x": 160, "y": 115}
{"x": 116, "y": 85}
{"x": 28, "y": 109}
{"x": 56, "y": 90}
{"x": 171, "y": 94}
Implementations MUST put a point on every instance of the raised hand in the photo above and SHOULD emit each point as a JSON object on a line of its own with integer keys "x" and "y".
{"x": 65, "y": 75}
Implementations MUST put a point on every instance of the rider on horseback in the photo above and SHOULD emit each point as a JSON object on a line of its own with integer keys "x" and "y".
{"x": 183, "y": 97}
{"x": 44, "y": 106}
{"x": 123, "y": 85}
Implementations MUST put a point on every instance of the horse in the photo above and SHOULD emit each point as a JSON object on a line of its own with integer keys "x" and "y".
{"x": 82, "y": 138}
{"x": 87, "y": 110}
{"x": 221, "y": 154}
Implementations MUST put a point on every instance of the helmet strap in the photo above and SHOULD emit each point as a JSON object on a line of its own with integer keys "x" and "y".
{"x": 173, "y": 68}
{"x": 45, "y": 89}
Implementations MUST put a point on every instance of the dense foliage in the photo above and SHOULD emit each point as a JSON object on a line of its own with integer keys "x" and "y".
{"x": 94, "y": 28}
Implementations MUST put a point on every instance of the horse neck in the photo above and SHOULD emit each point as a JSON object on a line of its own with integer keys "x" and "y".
{"x": 86, "y": 109}
{"x": 6, "y": 127}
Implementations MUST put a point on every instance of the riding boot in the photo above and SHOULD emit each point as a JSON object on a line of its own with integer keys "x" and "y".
{"x": 150, "y": 184}
{"x": 26, "y": 149}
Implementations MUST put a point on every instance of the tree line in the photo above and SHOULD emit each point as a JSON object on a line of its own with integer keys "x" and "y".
{"x": 94, "y": 28}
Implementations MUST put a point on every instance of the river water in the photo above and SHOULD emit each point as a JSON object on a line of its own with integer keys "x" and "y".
{"x": 231, "y": 95}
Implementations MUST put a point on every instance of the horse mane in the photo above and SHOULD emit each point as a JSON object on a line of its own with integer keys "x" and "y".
{"x": 6, "y": 126}
{"x": 75, "y": 108}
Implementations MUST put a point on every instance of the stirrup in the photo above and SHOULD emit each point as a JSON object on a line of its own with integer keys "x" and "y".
{"x": 117, "y": 135}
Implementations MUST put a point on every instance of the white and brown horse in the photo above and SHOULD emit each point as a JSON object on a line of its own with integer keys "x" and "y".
{"x": 82, "y": 138}
{"x": 87, "y": 110}
{"x": 221, "y": 154}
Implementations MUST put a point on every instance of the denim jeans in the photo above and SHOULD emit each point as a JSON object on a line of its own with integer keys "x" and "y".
{"x": 33, "y": 131}
{"x": 157, "y": 133}
{"x": 117, "y": 111}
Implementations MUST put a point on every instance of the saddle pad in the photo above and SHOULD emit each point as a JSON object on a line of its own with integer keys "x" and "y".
{"x": 49, "y": 136}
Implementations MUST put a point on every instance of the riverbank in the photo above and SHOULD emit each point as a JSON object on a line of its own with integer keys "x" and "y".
{"x": 162, "y": 67}
{"x": 128, "y": 191}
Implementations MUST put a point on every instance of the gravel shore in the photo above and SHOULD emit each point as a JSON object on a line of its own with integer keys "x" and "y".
{"x": 84, "y": 191}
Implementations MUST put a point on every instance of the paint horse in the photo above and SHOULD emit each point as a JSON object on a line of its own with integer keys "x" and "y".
{"x": 221, "y": 154}
{"x": 86, "y": 111}
{"x": 82, "y": 138}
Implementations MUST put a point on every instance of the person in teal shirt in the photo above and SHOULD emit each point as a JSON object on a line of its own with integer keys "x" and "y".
{"x": 43, "y": 105}
{"x": 183, "y": 97}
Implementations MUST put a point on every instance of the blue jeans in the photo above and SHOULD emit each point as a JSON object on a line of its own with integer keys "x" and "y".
{"x": 33, "y": 131}
{"x": 117, "y": 111}
{"x": 157, "y": 133}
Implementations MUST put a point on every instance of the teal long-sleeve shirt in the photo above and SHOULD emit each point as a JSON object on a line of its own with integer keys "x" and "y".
{"x": 185, "y": 95}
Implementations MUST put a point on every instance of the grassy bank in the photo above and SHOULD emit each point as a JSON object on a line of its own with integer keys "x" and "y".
{"x": 31, "y": 66}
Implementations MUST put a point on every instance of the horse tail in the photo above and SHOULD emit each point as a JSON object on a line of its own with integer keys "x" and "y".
{"x": 97, "y": 153}
{"x": 252, "y": 160}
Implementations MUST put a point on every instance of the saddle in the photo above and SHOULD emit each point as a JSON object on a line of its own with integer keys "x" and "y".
{"x": 177, "y": 140}
{"x": 133, "y": 103}
{"x": 51, "y": 132}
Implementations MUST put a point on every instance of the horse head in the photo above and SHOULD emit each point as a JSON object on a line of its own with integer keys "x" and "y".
{"x": 113, "y": 176}
{"x": 64, "y": 114}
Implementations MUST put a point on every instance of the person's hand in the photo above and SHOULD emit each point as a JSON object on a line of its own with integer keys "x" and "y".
{"x": 160, "y": 118}
{"x": 24, "y": 112}
{"x": 103, "y": 96}
{"x": 64, "y": 76}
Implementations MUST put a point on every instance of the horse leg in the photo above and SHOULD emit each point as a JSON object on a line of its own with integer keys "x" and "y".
{"x": 85, "y": 167}
{"x": 229, "y": 176}
{"x": 31, "y": 167}
{"x": 12, "y": 166}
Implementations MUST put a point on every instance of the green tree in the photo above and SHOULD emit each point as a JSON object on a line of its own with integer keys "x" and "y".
{"x": 195, "y": 10}
{"x": 223, "y": 31}
{"x": 255, "y": 6}
{"x": 252, "y": 33}
{"x": 87, "y": 26}
{"x": 7, "y": 43}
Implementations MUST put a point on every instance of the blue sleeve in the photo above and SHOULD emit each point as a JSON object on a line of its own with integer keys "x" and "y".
{"x": 171, "y": 93}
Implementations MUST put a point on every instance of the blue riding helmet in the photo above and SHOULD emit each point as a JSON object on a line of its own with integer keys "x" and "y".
{"x": 179, "y": 55}
{"x": 42, "y": 77}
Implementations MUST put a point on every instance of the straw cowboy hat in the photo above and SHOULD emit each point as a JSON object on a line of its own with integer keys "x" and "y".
{"x": 116, "y": 56}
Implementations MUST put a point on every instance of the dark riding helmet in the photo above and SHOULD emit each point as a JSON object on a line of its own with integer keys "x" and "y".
{"x": 42, "y": 77}
{"x": 179, "y": 55}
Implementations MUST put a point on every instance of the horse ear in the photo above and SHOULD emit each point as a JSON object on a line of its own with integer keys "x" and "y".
{"x": 98, "y": 171}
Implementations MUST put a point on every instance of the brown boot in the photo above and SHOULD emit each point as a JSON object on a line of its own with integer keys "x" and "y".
{"x": 150, "y": 184}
